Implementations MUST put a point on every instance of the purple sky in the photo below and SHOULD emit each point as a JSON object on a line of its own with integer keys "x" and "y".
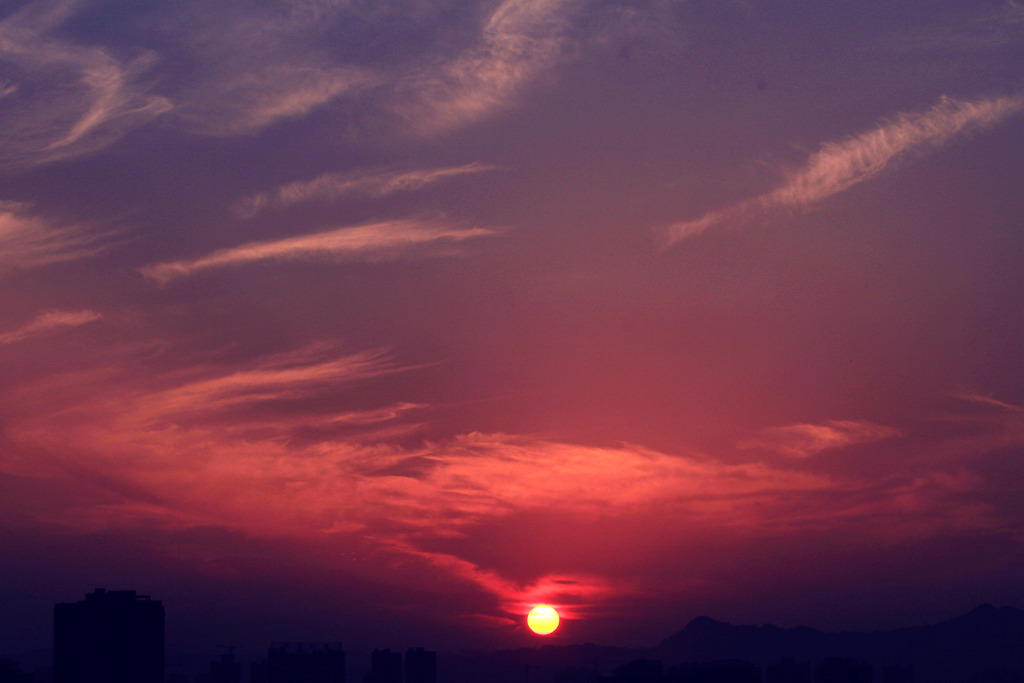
{"x": 383, "y": 321}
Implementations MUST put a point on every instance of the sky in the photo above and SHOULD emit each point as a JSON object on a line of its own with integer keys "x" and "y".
{"x": 383, "y": 321}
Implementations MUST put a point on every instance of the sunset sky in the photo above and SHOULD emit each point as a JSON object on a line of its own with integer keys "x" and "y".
{"x": 382, "y": 321}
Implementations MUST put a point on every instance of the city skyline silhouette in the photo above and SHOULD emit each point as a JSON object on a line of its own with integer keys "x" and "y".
{"x": 117, "y": 636}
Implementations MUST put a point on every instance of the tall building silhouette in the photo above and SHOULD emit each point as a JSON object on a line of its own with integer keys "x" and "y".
{"x": 420, "y": 666}
{"x": 109, "y": 637}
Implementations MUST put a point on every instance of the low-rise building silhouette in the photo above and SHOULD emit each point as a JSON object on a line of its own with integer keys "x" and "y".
{"x": 788, "y": 671}
{"x": 898, "y": 673}
{"x": 652, "y": 671}
{"x": 385, "y": 667}
{"x": 420, "y": 666}
{"x": 301, "y": 663}
{"x": 639, "y": 671}
{"x": 719, "y": 671}
{"x": 10, "y": 672}
{"x": 844, "y": 670}
{"x": 109, "y": 637}
{"x": 227, "y": 670}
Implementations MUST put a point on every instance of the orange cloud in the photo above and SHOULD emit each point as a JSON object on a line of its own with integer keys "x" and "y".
{"x": 218, "y": 447}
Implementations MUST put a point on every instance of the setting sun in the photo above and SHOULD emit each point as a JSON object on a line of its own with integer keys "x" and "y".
{"x": 542, "y": 620}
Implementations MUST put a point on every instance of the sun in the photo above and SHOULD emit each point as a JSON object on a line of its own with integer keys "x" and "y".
{"x": 542, "y": 620}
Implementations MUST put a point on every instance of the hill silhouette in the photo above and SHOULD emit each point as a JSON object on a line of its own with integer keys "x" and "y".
{"x": 969, "y": 647}
{"x": 986, "y": 644}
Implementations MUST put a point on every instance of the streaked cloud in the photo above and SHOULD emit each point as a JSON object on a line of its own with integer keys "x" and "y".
{"x": 48, "y": 323}
{"x": 28, "y": 240}
{"x": 975, "y": 27}
{"x": 990, "y": 401}
{"x": 838, "y": 166}
{"x": 236, "y": 70}
{"x": 77, "y": 99}
{"x": 249, "y": 101}
{"x": 519, "y": 39}
{"x": 254, "y": 65}
{"x": 373, "y": 241}
{"x": 280, "y": 378}
{"x": 338, "y": 185}
{"x": 805, "y": 440}
{"x": 263, "y": 67}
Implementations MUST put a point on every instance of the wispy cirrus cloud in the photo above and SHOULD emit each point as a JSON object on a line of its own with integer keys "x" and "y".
{"x": 838, "y": 166}
{"x": 975, "y": 28}
{"x": 48, "y": 323}
{"x": 519, "y": 39}
{"x": 254, "y": 65}
{"x": 372, "y": 241}
{"x": 28, "y": 240}
{"x": 77, "y": 98}
{"x": 265, "y": 65}
{"x": 252, "y": 99}
{"x": 991, "y": 401}
{"x": 238, "y": 69}
{"x": 338, "y": 185}
{"x": 280, "y": 378}
{"x": 805, "y": 440}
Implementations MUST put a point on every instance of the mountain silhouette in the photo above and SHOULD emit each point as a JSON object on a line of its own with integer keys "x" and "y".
{"x": 984, "y": 645}
{"x": 974, "y": 646}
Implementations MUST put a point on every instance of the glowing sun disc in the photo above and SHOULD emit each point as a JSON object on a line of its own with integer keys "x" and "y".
{"x": 542, "y": 620}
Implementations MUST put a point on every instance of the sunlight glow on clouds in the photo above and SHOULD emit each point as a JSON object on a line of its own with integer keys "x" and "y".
{"x": 573, "y": 594}
{"x": 838, "y": 166}
{"x": 805, "y": 440}
{"x": 370, "y": 242}
{"x": 186, "y": 451}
